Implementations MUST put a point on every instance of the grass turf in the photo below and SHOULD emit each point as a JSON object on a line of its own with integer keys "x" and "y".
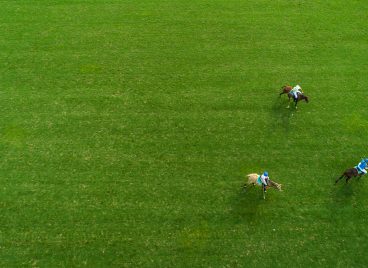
{"x": 127, "y": 129}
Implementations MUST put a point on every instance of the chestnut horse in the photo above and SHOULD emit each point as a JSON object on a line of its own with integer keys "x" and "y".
{"x": 253, "y": 180}
{"x": 349, "y": 173}
{"x": 287, "y": 89}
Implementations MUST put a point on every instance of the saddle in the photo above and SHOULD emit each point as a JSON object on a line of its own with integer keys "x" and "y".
{"x": 358, "y": 170}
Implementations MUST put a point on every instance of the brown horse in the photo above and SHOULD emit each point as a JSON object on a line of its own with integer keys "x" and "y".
{"x": 348, "y": 174}
{"x": 287, "y": 89}
{"x": 253, "y": 180}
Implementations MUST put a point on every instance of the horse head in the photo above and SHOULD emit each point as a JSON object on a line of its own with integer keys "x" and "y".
{"x": 279, "y": 187}
{"x": 275, "y": 185}
{"x": 305, "y": 98}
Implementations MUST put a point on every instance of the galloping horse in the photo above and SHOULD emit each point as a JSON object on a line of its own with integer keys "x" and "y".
{"x": 287, "y": 89}
{"x": 349, "y": 173}
{"x": 253, "y": 180}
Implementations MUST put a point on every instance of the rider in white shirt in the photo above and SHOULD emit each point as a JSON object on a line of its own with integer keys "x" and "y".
{"x": 297, "y": 89}
{"x": 264, "y": 179}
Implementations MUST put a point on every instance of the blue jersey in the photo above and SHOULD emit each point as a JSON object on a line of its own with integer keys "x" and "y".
{"x": 362, "y": 165}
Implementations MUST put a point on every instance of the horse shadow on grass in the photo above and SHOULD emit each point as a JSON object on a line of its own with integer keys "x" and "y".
{"x": 282, "y": 116}
{"x": 247, "y": 206}
{"x": 344, "y": 197}
{"x": 345, "y": 193}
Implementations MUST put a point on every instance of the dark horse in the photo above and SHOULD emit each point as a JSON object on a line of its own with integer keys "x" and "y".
{"x": 348, "y": 174}
{"x": 287, "y": 89}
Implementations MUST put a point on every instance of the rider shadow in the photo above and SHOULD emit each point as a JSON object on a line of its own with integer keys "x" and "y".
{"x": 282, "y": 115}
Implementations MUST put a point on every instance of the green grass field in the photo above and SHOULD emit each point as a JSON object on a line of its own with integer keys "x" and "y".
{"x": 127, "y": 129}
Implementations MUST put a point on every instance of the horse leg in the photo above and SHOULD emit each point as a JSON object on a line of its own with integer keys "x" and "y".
{"x": 347, "y": 179}
{"x": 245, "y": 187}
{"x": 342, "y": 176}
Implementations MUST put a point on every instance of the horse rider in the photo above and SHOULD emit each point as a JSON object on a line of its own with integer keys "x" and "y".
{"x": 264, "y": 180}
{"x": 297, "y": 89}
{"x": 362, "y": 166}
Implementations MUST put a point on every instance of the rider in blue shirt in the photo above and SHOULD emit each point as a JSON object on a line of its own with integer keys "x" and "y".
{"x": 362, "y": 166}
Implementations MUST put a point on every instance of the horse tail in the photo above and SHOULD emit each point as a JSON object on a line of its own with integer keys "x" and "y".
{"x": 283, "y": 90}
